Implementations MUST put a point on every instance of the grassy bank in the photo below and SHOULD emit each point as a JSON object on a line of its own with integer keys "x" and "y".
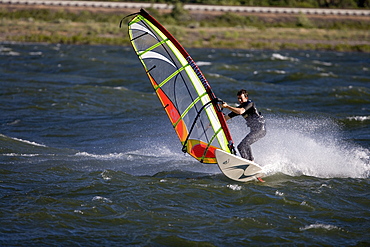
{"x": 77, "y": 26}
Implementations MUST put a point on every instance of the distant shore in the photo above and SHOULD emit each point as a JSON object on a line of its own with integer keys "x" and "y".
{"x": 237, "y": 37}
{"x": 193, "y": 7}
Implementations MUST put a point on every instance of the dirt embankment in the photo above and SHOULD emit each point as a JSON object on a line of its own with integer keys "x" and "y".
{"x": 237, "y": 37}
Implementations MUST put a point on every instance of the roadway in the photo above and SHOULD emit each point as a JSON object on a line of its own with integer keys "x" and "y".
{"x": 193, "y": 7}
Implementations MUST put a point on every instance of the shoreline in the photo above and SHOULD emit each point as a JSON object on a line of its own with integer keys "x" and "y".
{"x": 248, "y": 37}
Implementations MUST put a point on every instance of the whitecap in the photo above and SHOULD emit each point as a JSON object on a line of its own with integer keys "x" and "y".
{"x": 21, "y": 155}
{"x": 203, "y": 63}
{"x": 319, "y": 226}
{"x": 323, "y": 63}
{"x": 101, "y": 199}
{"x": 13, "y": 53}
{"x": 5, "y": 49}
{"x": 278, "y": 193}
{"x": 214, "y": 75}
{"x": 277, "y": 56}
{"x": 15, "y": 122}
{"x": 277, "y": 71}
{"x": 36, "y": 53}
{"x": 121, "y": 88}
{"x": 234, "y": 186}
{"x": 101, "y": 156}
{"x": 325, "y": 185}
{"x": 105, "y": 176}
{"x": 8, "y": 51}
{"x": 24, "y": 141}
{"x": 329, "y": 74}
{"x": 359, "y": 118}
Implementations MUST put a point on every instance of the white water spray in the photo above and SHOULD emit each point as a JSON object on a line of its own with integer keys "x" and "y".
{"x": 311, "y": 147}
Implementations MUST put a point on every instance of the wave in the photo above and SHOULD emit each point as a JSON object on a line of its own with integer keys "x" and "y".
{"x": 26, "y": 152}
{"x": 293, "y": 146}
{"x": 20, "y": 155}
{"x": 320, "y": 226}
{"x": 102, "y": 156}
{"x": 148, "y": 160}
{"x": 309, "y": 147}
{"x": 6, "y": 51}
{"x": 359, "y": 118}
{"x": 21, "y": 140}
{"x": 328, "y": 64}
{"x": 152, "y": 157}
{"x": 277, "y": 56}
{"x": 203, "y": 63}
{"x": 148, "y": 151}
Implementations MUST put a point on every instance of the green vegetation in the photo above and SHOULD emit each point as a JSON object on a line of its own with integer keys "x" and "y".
{"x": 228, "y": 30}
{"x": 180, "y": 17}
{"x": 270, "y": 3}
{"x": 52, "y": 15}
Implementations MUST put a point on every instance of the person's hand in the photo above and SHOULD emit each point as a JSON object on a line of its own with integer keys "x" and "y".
{"x": 224, "y": 105}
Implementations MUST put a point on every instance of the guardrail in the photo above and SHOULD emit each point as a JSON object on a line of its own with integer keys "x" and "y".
{"x": 193, "y": 7}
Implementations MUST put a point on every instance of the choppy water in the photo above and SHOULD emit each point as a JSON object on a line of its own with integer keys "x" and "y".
{"x": 88, "y": 157}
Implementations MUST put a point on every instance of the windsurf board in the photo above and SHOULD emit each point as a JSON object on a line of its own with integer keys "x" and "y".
{"x": 237, "y": 168}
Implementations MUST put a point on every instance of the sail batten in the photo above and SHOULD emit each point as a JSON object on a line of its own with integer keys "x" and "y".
{"x": 153, "y": 47}
{"x": 171, "y": 76}
{"x": 182, "y": 89}
{"x": 186, "y": 111}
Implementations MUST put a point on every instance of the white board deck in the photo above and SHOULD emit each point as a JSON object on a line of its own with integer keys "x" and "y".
{"x": 237, "y": 168}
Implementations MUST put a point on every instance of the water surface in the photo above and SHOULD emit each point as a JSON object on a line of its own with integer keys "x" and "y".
{"x": 88, "y": 157}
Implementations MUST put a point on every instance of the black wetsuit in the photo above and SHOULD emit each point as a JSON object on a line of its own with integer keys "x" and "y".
{"x": 256, "y": 123}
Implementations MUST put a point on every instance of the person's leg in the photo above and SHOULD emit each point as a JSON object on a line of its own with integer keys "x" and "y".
{"x": 245, "y": 150}
{"x": 244, "y": 146}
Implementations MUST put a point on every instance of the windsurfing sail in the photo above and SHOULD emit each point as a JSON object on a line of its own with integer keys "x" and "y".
{"x": 184, "y": 92}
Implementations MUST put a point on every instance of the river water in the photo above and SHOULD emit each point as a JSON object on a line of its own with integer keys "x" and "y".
{"x": 89, "y": 158}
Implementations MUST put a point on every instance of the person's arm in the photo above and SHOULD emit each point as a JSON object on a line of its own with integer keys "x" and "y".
{"x": 236, "y": 110}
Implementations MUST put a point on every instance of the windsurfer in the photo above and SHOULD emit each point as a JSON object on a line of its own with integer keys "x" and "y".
{"x": 254, "y": 119}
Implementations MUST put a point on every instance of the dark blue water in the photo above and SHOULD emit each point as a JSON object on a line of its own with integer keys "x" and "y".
{"x": 88, "y": 157}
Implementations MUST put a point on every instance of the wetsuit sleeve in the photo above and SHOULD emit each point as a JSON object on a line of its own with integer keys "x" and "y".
{"x": 246, "y": 105}
{"x": 232, "y": 114}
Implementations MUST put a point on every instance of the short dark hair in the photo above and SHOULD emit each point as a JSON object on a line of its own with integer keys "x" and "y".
{"x": 242, "y": 91}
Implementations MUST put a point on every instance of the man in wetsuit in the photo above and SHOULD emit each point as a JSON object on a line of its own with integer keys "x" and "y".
{"x": 255, "y": 122}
